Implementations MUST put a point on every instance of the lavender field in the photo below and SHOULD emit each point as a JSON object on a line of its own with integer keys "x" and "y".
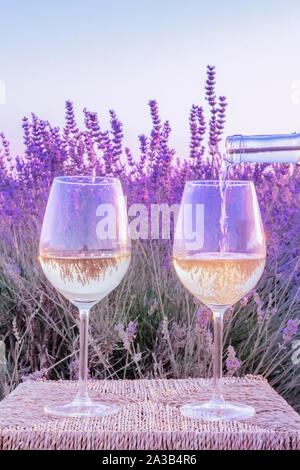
{"x": 150, "y": 326}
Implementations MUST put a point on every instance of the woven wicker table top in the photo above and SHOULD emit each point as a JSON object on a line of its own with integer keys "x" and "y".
{"x": 149, "y": 417}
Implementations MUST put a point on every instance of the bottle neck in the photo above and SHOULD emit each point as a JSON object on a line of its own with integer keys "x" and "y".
{"x": 277, "y": 148}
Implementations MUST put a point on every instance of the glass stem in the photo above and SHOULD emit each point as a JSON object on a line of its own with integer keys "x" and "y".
{"x": 83, "y": 394}
{"x": 218, "y": 356}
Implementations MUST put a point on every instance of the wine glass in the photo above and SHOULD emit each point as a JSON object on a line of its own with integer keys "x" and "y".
{"x": 219, "y": 255}
{"x": 84, "y": 253}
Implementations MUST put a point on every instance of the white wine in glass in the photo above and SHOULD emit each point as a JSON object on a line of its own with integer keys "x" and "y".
{"x": 220, "y": 278}
{"x": 85, "y": 253}
{"x": 221, "y": 268}
{"x": 85, "y": 276}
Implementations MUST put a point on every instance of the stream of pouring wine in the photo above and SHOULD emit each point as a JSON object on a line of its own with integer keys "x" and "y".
{"x": 223, "y": 219}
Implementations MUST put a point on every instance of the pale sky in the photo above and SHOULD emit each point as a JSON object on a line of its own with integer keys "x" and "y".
{"x": 120, "y": 54}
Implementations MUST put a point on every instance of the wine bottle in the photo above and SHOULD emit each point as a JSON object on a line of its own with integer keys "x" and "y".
{"x": 276, "y": 148}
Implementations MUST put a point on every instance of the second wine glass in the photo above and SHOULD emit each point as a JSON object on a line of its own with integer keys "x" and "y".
{"x": 219, "y": 255}
{"x": 84, "y": 253}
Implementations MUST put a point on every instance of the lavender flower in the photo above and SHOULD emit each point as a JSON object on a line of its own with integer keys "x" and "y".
{"x": 259, "y": 304}
{"x": 246, "y": 298}
{"x": 126, "y": 335}
{"x": 116, "y": 126}
{"x": 144, "y": 151}
{"x": 119, "y": 327}
{"x": 131, "y": 330}
{"x": 232, "y": 363}
{"x": 153, "y": 307}
{"x": 165, "y": 328}
{"x": 38, "y": 374}
{"x": 137, "y": 357}
{"x": 220, "y": 119}
{"x": 211, "y": 98}
{"x": 74, "y": 370}
{"x": 194, "y": 132}
{"x": 203, "y": 317}
{"x": 290, "y": 330}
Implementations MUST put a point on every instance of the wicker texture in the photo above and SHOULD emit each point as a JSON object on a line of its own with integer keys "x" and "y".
{"x": 149, "y": 417}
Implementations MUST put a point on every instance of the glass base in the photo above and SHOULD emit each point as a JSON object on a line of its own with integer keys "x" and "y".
{"x": 79, "y": 408}
{"x": 211, "y": 411}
